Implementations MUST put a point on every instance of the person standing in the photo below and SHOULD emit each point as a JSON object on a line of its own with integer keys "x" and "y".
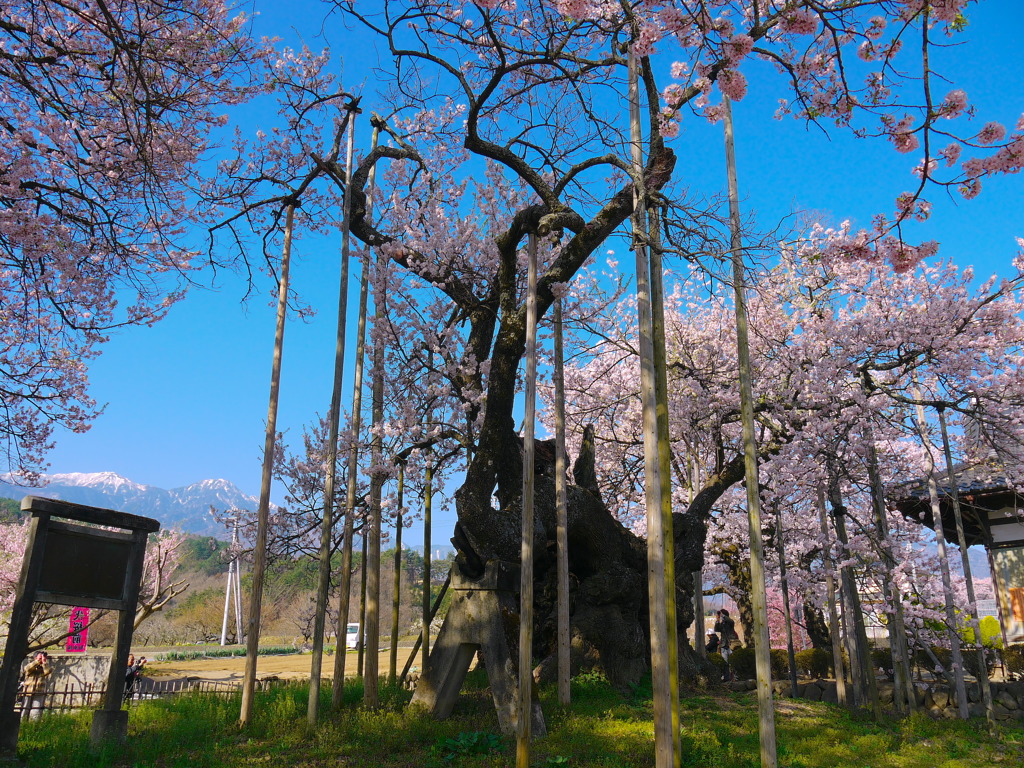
{"x": 726, "y": 629}
{"x": 711, "y": 644}
{"x": 131, "y": 677}
{"x": 34, "y": 686}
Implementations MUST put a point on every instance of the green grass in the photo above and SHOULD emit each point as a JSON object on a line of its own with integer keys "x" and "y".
{"x": 602, "y": 728}
{"x": 213, "y": 653}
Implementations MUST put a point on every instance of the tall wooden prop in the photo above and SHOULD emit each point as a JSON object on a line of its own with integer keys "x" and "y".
{"x": 653, "y": 232}
{"x": 766, "y": 709}
{"x": 396, "y": 591}
{"x": 954, "y": 492}
{"x": 561, "y": 513}
{"x": 331, "y": 459}
{"x": 947, "y": 583}
{"x": 699, "y": 628}
{"x": 862, "y": 670}
{"x": 361, "y": 655}
{"x": 834, "y": 629}
{"x": 893, "y": 592}
{"x": 338, "y": 685}
{"x": 525, "y": 704}
{"x": 780, "y": 548}
{"x": 371, "y": 668}
{"x": 428, "y": 504}
{"x": 666, "y": 737}
{"x": 259, "y": 568}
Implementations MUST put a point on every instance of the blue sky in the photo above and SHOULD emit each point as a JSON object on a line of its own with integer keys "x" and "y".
{"x": 186, "y": 399}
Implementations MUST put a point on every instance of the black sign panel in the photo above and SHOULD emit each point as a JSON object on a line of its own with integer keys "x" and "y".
{"x": 84, "y": 562}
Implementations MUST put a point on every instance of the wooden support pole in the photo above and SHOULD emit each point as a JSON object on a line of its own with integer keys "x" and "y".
{"x": 361, "y": 652}
{"x": 780, "y": 548}
{"x": 947, "y": 582}
{"x": 428, "y": 498}
{"x": 561, "y": 514}
{"x": 965, "y": 560}
{"x": 653, "y": 234}
{"x": 371, "y": 665}
{"x": 430, "y": 618}
{"x": 904, "y": 684}
{"x": 834, "y": 629}
{"x": 525, "y": 704}
{"x": 396, "y": 591}
{"x": 861, "y": 668}
{"x": 666, "y": 736}
{"x": 758, "y": 598}
{"x": 263, "y": 513}
{"x": 338, "y": 684}
{"x": 331, "y": 459}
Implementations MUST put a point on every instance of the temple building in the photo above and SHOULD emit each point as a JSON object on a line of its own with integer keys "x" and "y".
{"x": 993, "y": 516}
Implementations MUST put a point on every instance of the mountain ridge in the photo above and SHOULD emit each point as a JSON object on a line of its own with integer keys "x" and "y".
{"x": 186, "y": 507}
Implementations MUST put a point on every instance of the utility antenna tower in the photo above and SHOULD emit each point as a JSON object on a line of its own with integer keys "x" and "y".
{"x": 233, "y": 594}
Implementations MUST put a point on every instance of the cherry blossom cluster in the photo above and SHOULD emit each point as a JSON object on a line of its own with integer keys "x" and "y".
{"x": 107, "y": 109}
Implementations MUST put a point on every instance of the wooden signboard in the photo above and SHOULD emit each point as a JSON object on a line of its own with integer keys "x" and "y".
{"x": 84, "y": 565}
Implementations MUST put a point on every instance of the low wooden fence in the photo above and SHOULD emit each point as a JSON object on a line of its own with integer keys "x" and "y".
{"x": 79, "y": 696}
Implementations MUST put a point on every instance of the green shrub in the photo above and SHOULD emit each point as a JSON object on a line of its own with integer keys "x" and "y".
{"x": 991, "y": 637}
{"x": 720, "y": 663}
{"x": 971, "y": 660}
{"x": 1013, "y": 657}
{"x": 467, "y": 744}
{"x": 743, "y": 664}
{"x": 214, "y": 653}
{"x": 780, "y": 663}
{"x": 814, "y": 662}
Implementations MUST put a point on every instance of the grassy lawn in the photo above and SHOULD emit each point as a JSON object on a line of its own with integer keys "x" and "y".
{"x": 602, "y": 728}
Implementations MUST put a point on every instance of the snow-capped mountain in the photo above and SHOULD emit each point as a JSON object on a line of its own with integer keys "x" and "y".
{"x": 187, "y": 508}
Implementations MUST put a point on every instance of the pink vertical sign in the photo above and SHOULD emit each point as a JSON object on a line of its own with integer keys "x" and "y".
{"x": 79, "y": 630}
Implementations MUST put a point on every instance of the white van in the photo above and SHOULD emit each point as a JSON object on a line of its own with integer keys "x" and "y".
{"x": 352, "y": 639}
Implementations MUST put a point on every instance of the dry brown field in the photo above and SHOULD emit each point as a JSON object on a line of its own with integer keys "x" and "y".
{"x": 293, "y": 666}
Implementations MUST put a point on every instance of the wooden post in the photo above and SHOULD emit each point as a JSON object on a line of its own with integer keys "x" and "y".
{"x": 780, "y": 548}
{"x": 861, "y": 668}
{"x": 665, "y": 735}
{"x": 830, "y": 597}
{"x": 371, "y": 668}
{"x": 561, "y": 514}
{"x": 396, "y": 592}
{"x": 361, "y": 653}
{"x": 653, "y": 233}
{"x": 338, "y": 684}
{"x": 947, "y": 583}
{"x": 986, "y": 689}
{"x": 428, "y": 496}
{"x": 699, "y": 628}
{"x": 897, "y": 628}
{"x": 331, "y": 459}
{"x": 766, "y": 708}
{"x": 263, "y": 514}
{"x": 525, "y": 703}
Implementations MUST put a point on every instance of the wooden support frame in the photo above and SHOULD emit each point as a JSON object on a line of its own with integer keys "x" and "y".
{"x": 478, "y": 621}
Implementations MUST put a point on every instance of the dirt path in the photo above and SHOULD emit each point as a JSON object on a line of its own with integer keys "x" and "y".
{"x": 290, "y": 667}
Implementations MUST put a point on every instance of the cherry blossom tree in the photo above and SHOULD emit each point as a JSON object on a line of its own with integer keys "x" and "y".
{"x": 535, "y": 89}
{"x": 823, "y": 330}
{"x": 106, "y": 109}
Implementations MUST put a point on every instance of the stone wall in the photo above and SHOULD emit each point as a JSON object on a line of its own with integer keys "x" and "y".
{"x": 77, "y": 670}
{"x": 933, "y": 698}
